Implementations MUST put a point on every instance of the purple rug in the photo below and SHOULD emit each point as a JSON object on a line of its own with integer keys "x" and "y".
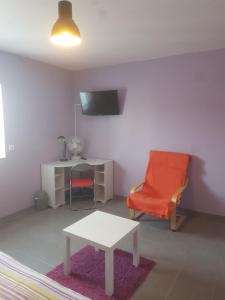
{"x": 88, "y": 274}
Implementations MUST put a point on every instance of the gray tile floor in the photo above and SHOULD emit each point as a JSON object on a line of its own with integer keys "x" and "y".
{"x": 190, "y": 263}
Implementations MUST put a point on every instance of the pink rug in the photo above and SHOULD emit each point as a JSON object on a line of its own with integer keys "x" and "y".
{"x": 88, "y": 274}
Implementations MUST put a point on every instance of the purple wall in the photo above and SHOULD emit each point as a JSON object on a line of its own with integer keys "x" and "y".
{"x": 38, "y": 107}
{"x": 175, "y": 104}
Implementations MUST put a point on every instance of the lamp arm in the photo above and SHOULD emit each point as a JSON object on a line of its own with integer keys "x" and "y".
{"x": 64, "y": 150}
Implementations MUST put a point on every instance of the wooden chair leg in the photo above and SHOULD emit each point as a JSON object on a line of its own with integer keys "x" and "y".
{"x": 176, "y": 220}
{"x": 173, "y": 219}
{"x": 133, "y": 215}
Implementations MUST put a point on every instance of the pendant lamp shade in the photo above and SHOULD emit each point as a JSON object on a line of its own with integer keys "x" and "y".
{"x": 65, "y": 32}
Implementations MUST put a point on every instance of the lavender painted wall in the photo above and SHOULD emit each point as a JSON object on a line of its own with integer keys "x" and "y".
{"x": 175, "y": 104}
{"x": 38, "y": 107}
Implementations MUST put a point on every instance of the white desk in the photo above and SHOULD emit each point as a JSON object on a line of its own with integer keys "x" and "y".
{"x": 104, "y": 231}
{"x": 53, "y": 179}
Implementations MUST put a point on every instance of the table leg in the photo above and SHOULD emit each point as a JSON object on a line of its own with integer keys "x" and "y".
{"x": 67, "y": 263}
{"x": 109, "y": 272}
{"x": 136, "y": 258}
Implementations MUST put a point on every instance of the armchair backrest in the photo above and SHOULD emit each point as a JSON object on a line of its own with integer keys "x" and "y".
{"x": 166, "y": 172}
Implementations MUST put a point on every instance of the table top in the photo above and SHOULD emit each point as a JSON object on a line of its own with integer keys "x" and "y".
{"x": 101, "y": 229}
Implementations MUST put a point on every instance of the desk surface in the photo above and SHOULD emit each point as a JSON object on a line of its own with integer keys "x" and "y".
{"x": 71, "y": 163}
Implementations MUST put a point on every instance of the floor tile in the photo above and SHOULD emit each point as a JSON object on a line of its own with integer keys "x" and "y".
{"x": 190, "y": 263}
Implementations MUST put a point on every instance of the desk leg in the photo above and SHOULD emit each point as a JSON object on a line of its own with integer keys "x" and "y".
{"x": 109, "y": 273}
{"x": 67, "y": 263}
{"x": 136, "y": 258}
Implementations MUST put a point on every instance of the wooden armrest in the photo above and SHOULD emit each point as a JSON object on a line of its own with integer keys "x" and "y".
{"x": 178, "y": 193}
{"x": 135, "y": 188}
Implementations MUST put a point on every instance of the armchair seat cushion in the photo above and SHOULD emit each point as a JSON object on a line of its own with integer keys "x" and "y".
{"x": 156, "y": 206}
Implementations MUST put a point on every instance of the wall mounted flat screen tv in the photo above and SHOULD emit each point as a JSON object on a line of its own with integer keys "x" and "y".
{"x": 99, "y": 103}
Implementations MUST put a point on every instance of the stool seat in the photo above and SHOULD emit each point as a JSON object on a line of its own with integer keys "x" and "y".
{"x": 82, "y": 183}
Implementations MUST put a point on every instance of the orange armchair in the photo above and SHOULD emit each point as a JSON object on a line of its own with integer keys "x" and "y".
{"x": 161, "y": 191}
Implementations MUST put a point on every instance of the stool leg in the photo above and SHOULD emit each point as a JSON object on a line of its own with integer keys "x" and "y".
{"x": 93, "y": 195}
{"x": 70, "y": 197}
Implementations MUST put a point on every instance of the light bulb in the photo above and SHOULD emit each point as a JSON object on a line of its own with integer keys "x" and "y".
{"x": 65, "y": 32}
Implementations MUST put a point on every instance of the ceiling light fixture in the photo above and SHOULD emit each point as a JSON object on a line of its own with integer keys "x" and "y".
{"x": 65, "y": 32}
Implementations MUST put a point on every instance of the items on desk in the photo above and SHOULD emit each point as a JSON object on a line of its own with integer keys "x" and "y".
{"x": 72, "y": 148}
{"x": 75, "y": 148}
{"x": 62, "y": 140}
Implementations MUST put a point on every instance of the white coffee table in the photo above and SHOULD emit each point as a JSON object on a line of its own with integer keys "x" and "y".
{"x": 103, "y": 231}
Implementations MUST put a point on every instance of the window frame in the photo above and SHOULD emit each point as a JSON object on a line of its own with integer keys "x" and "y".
{"x": 2, "y": 127}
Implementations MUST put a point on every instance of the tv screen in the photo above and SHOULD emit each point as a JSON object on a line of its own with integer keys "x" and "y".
{"x": 99, "y": 103}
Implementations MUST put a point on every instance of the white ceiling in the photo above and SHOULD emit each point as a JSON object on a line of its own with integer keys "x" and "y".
{"x": 113, "y": 31}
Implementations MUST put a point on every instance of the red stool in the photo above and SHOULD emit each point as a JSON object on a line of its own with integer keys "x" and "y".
{"x": 82, "y": 177}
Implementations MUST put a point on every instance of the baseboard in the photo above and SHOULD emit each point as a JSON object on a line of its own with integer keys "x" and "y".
{"x": 196, "y": 213}
{"x": 15, "y": 215}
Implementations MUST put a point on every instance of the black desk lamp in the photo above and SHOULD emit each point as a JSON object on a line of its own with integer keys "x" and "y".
{"x": 62, "y": 140}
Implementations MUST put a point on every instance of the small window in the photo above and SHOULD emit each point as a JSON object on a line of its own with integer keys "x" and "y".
{"x": 2, "y": 130}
